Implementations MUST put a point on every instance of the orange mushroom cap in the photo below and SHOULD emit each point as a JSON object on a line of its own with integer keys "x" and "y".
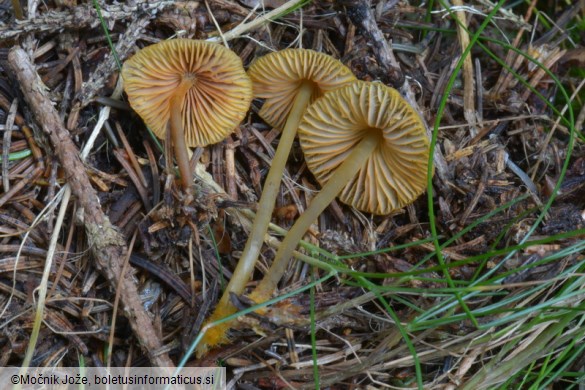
{"x": 277, "y": 77}
{"x": 213, "y": 105}
{"x": 395, "y": 174}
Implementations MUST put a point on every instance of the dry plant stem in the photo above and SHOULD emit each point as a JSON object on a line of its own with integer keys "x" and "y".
{"x": 506, "y": 77}
{"x": 247, "y": 261}
{"x": 497, "y": 371}
{"x": 107, "y": 245}
{"x": 116, "y": 303}
{"x": 178, "y": 134}
{"x": 469, "y": 94}
{"x": 338, "y": 180}
{"x": 241, "y": 29}
{"x": 42, "y": 289}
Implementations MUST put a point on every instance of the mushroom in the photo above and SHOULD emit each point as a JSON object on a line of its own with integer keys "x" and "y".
{"x": 288, "y": 80}
{"x": 365, "y": 144}
{"x": 197, "y": 89}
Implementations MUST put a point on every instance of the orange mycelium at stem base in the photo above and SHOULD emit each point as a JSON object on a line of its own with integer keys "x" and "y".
{"x": 197, "y": 90}
{"x": 288, "y": 80}
{"x": 367, "y": 146}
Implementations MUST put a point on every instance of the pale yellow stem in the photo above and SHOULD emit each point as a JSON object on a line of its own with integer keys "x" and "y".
{"x": 178, "y": 133}
{"x": 338, "y": 180}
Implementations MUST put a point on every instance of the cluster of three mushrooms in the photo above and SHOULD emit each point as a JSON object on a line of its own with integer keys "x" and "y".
{"x": 359, "y": 132}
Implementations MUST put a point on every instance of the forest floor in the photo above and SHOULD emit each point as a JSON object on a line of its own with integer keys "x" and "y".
{"x": 480, "y": 283}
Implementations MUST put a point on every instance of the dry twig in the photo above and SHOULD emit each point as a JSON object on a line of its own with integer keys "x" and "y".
{"x": 79, "y": 17}
{"x": 106, "y": 68}
{"x": 363, "y": 16}
{"x": 107, "y": 244}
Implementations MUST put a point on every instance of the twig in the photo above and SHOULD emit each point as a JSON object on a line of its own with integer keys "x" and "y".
{"x": 79, "y": 17}
{"x": 361, "y": 15}
{"x": 6, "y": 145}
{"x": 552, "y": 131}
{"x": 131, "y": 156}
{"x": 104, "y": 70}
{"x": 464, "y": 367}
{"x": 479, "y": 92}
{"x": 230, "y": 167}
{"x": 232, "y": 7}
{"x": 28, "y": 176}
{"x": 117, "y": 302}
{"x": 513, "y": 60}
{"x": 106, "y": 243}
{"x": 132, "y": 174}
{"x": 521, "y": 174}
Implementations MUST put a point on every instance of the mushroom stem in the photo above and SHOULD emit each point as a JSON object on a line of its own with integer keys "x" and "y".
{"x": 352, "y": 164}
{"x": 178, "y": 134}
{"x": 247, "y": 261}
